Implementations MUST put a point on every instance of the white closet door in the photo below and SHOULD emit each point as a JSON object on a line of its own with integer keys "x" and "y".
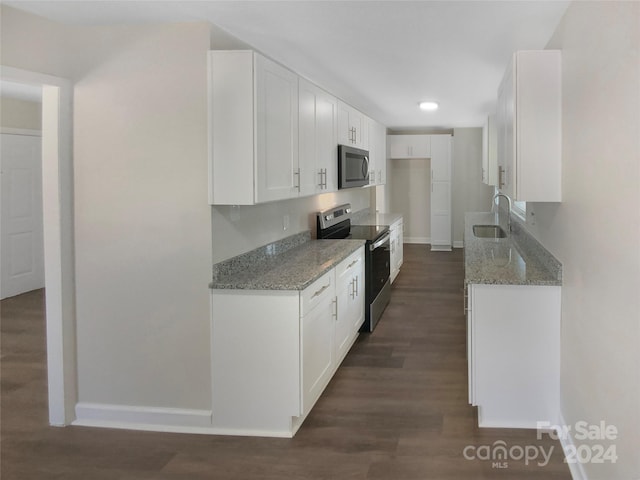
{"x": 21, "y": 242}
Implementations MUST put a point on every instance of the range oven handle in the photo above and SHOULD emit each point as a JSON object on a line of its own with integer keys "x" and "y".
{"x": 380, "y": 242}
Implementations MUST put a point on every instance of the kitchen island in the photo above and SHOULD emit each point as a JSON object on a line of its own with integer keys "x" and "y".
{"x": 512, "y": 304}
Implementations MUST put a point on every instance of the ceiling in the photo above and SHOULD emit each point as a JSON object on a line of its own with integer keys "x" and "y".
{"x": 383, "y": 57}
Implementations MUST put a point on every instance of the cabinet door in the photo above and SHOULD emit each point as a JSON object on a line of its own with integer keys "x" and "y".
{"x": 468, "y": 302}
{"x": 506, "y": 134}
{"x": 326, "y": 140}
{"x": 400, "y": 245}
{"x": 345, "y": 132}
{"x": 317, "y": 350}
{"x": 231, "y": 127}
{"x": 377, "y": 153}
{"x": 419, "y": 146}
{"x": 489, "y": 152}
{"x": 514, "y": 384}
{"x": 350, "y": 296}
{"x": 318, "y": 117}
{"x": 277, "y": 131}
{"x": 396, "y": 248}
{"x": 397, "y": 146}
{"x": 440, "y": 214}
{"x": 353, "y": 127}
{"x": 441, "y": 158}
{"x": 441, "y": 192}
{"x": 310, "y": 178}
{"x": 410, "y": 146}
{"x": 361, "y": 125}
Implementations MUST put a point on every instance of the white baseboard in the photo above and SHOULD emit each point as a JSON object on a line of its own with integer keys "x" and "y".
{"x": 440, "y": 248}
{"x": 458, "y": 244}
{"x": 419, "y": 240}
{"x": 171, "y": 420}
{"x": 143, "y": 418}
{"x": 566, "y": 441}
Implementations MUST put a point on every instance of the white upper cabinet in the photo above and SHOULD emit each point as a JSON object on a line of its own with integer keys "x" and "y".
{"x": 274, "y": 135}
{"x": 377, "y": 153}
{"x": 410, "y": 146}
{"x": 253, "y": 115}
{"x": 317, "y": 140}
{"x": 490, "y": 152}
{"x": 353, "y": 127}
{"x": 529, "y": 127}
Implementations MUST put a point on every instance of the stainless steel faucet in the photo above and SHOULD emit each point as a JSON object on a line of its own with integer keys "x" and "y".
{"x": 493, "y": 202}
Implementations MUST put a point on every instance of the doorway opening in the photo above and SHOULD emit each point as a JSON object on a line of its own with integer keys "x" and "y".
{"x": 57, "y": 227}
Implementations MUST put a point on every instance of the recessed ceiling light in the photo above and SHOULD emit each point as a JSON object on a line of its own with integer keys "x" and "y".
{"x": 428, "y": 106}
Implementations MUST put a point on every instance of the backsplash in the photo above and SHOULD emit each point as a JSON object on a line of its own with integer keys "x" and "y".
{"x": 240, "y": 229}
{"x": 529, "y": 246}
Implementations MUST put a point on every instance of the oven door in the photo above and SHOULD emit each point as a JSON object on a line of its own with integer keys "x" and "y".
{"x": 380, "y": 257}
{"x": 353, "y": 167}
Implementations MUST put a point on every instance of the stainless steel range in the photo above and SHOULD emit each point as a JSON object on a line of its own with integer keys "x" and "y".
{"x": 336, "y": 223}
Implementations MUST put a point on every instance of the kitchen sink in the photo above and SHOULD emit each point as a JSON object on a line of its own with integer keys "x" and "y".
{"x": 489, "y": 231}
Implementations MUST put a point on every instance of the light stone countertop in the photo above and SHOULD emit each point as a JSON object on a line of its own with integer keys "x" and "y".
{"x": 271, "y": 267}
{"x": 517, "y": 259}
{"x": 367, "y": 217}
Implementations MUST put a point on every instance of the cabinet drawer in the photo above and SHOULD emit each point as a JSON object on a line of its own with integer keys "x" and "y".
{"x": 349, "y": 264}
{"x": 317, "y": 292}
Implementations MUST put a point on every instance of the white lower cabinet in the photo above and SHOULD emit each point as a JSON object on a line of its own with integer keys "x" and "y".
{"x": 275, "y": 351}
{"x": 513, "y": 349}
{"x": 397, "y": 247}
{"x": 318, "y": 313}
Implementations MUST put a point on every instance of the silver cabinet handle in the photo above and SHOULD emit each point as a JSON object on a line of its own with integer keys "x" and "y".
{"x": 501, "y": 172}
{"x": 320, "y": 291}
{"x": 352, "y": 287}
{"x": 320, "y": 173}
{"x": 357, "y": 285}
{"x": 324, "y": 173}
{"x": 466, "y": 300}
{"x": 296, "y": 173}
{"x": 335, "y": 307}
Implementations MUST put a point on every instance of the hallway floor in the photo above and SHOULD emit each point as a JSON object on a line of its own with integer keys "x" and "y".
{"x": 396, "y": 409}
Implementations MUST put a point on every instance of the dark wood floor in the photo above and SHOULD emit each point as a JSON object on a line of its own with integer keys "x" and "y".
{"x": 397, "y": 408}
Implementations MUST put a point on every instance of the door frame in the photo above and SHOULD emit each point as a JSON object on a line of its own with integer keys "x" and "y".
{"x": 57, "y": 199}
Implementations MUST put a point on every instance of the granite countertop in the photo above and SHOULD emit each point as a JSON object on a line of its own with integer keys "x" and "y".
{"x": 367, "y": 217}
{"x": 517, "y": 259}
{"x": 275, "y": 268}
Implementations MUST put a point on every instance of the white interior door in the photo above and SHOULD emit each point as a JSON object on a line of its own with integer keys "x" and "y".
{"x": 21, "y": 242}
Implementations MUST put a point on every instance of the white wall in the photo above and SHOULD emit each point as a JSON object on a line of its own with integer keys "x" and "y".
{"x": 595, "y": 231}
{"x": 469, "y": 193}
{"x": 143, "y": 235}
{"x": 410, "y": 185}
{"x": 33, "y": 43}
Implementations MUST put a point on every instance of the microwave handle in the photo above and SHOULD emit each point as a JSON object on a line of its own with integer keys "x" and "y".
{"x": 365, "y": 168}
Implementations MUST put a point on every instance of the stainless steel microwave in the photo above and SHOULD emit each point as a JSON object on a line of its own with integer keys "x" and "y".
{"x": 353, "y": 167}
